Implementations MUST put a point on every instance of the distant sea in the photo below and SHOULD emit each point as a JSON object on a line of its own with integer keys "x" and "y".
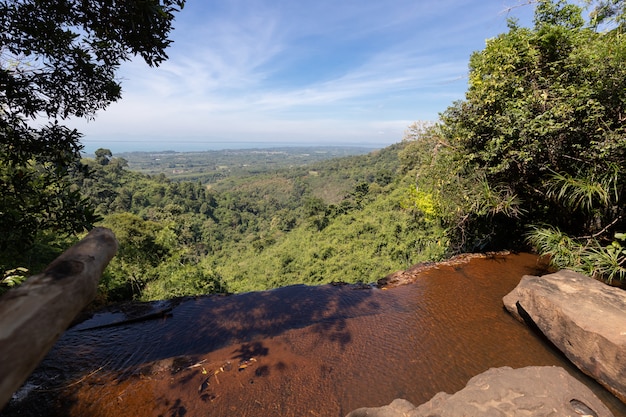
{"x": 120, "y": 146}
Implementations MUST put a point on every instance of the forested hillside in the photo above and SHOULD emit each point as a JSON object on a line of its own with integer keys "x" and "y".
{"x": 347, "y": 219}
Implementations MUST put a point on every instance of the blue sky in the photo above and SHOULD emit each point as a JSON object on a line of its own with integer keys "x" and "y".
{"x": 246, "y": 72}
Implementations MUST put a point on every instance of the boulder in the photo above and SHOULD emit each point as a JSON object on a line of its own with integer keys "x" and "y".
{"x": 582, "y": 317}
{"x": 535, "y": 390}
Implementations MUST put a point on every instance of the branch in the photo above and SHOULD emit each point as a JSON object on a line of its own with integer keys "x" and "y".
{"x": 607, "y": 227}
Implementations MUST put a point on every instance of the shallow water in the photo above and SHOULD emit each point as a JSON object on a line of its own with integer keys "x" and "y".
{"x": 295, "y": 351}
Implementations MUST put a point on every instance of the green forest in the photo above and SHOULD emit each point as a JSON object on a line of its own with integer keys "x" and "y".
{"x": 532, "y": 159}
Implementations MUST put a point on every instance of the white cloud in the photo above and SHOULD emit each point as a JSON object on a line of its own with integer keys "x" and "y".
{"x": 311, "y": 70}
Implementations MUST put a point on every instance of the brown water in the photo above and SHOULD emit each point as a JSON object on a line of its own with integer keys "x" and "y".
{"x": 296, "y": 351}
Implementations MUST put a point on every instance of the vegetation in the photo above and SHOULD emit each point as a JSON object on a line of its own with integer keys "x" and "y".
{"x": 537, "y": 148}
{"x": 348, "y": 219}
{"x": 534, "y": 156}
{"x": 58, "y": 60}
{"x": 212, "y": 166}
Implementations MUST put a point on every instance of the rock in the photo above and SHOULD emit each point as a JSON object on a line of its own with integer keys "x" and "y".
{"x": 397, "y": 408}
{"x": 535, "y": 390}
{"x": 409, "y": 276}
{"x": 582, "y": 317}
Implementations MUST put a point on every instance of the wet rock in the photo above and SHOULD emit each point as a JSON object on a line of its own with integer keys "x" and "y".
{"x": 535, "y": 390}
{"x": 409, "y": 276}
{"x": 582, "y": 317}
{"x": 403, "y": 277}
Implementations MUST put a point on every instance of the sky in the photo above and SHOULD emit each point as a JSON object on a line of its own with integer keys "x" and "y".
{"x": 254, "y": 73}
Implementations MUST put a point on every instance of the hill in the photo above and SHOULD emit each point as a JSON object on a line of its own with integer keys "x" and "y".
{"x": 303, "y": 219}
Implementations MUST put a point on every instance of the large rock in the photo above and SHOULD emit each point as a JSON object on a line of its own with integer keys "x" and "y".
{"x": 582, "y": 317}
{"x": 533, "y": 391}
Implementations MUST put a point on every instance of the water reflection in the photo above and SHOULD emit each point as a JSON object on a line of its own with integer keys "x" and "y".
{"x": 299, "y": 350}
{"x": 201, "y": 325}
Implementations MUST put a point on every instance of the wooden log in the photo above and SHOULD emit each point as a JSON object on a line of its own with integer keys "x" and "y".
{"x": 35, "y": 314}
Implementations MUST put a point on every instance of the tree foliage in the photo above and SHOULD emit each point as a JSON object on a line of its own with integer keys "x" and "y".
{"x": 540, "y": 137}
{"x": 58, "y": 59}
{"x": 610, "y": 13}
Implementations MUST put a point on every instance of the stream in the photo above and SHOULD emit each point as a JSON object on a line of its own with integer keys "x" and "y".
{"x": 294, "y": 351}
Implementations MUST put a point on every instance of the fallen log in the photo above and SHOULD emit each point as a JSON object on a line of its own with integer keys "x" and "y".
{"x": 35, "y": 314}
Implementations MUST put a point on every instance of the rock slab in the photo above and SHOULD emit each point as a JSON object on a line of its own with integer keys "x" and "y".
{"x": 582, "y": 317}
{"x": 532, "y": 391}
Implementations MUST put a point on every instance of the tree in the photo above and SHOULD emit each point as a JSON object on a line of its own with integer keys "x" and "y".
{"x": 103, "y": 156}
{"x": 543, "y": 122}
{"x": 139, "y": 254}
{"x": 58, "y": 59}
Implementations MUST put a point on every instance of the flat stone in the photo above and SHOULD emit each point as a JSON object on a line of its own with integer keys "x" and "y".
{"x": 532, "y": 391}
{"x": 582, "y": 317}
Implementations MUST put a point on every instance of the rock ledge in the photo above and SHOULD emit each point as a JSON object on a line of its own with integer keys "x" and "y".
{"x": 535, "y": 390}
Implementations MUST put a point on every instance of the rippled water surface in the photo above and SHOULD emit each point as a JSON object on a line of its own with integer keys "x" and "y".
{"x": 295, "y": 351}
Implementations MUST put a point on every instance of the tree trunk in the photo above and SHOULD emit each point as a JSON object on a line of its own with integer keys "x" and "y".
{"x": 35, "y": 314}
